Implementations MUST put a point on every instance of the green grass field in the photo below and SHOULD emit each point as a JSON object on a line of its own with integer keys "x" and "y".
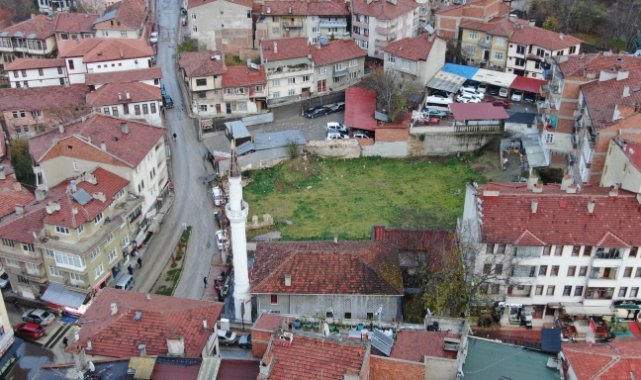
{"x": 323, "y": 198}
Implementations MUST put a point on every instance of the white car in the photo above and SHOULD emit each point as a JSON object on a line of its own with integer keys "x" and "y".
{"x": 472, "y": 93}
{"x": 503, "y": 92}
{"x": 482, "y": 88}
{"x": 517, "y": 96}
{"x": 39, "y": 316}
{"x": 467, "y": 99}
{"x": 222, "y": 241}
{"x": 334, "y": 126}
{"x": 360, "y": 135}
{"x": 217, "y": 194}
{"x": 227, "y": 337}
{"x": 153, "y": 37}
{"x": 334, "y": 135}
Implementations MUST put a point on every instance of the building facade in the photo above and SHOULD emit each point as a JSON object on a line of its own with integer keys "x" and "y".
{"x": 416, "y": 59}
{"x": 622, "y": 164}
{"x": 448, "y": 21}
{"x": 221, "y": 24}
{"x": 74, "y": 26}
{"x": 40, "y": 44}
{"x": 124, "y": 19}
{"x": 131, "y": 101}
{"x": 33, "y": 72}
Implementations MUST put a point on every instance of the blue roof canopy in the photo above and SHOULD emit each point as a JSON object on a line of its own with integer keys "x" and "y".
{"x": 466, "y": 72}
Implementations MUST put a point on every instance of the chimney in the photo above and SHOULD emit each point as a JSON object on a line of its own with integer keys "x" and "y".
{"x": 204, "y": 324}
{"x": 103, "y": 146}
{"x": 17, "y": 187}
{"x": 114, "y": 308}
{"x": 2, "y": 175}
{"x": 290, "y": 10}
{"x": 124, "y": 127}
{"x": 591, "y": 205}
{"x": 614, "y": 191}
{"x": 532, "y": 181}
{"x": 89, "y": 345}
{"x": 73, "y": 186}
{"x": 572, "y": 189}
{"x": 61, "y": 128}
{"x": 19, "y": 209}
{"x": 275, "y": 47}
{"x": 561, "y": 36}
{"x": 566, "y": 181}
{"x": 538, "y": 188}
{"x": 534, "y": 206}
{"x": 143, "y": 350}
{"x": 288, "y": 280}
{"x": 626, "y": 91}
{"x": 40, "y": 194}
{"x": 119, "y": 96}
{"x": 148, "y": 297}
{"x": 127, "y": 95}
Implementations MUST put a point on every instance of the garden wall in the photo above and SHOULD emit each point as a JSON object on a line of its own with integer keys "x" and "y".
{"x": 444, "y": 144}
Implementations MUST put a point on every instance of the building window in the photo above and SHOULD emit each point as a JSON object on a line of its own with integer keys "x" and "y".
{"x": 487, "y": 268}
{"x": 473, "y": 35}
{"x": 633, "y": 251}
{"x": 71, "y": 64}
{"x": 153, "y": 108}
{"x": 291, "y": 92}
{"x": 370, "y": 316}
{"x": 578, "y": 291}
{"x": 41, "y": 72}
{"x": 637, "y": 273}
{"x": 55, "y": 272}
{"x": 76, "y": 277}
{"x": 538, "y": 291}
{"x": 68, "y": 260}
{"x": 627, "y": 272}
{"x": 546, "y": 250}
{"x": 94, "y": 253}
{"x": 558, "y": 251}
{"x": 543, "y": 270}
{"x": 113, "y": 255}
{"x": 274, "y": 299}
{"x": 500, "y": 249}
{"x": 489, "y": 249}
{"x": 498, "y": 56}
{"x": 555, "y": 270}
{"x": 12, "y": 263}
{"x": 145, "y": 109}
{"x": 62, "y": 230}
{"x": 305, "y": 78}
{"x": 483, "y": 288}
{"x": 498, "y": 269}
{"x": 8, "y": 243}
{"x": 348, "y": 315}
{"x": 583, "y": 271}
{"x": 275, "y": 82}
{"x": 98, "y": 271}
{"x": 137, "y": 109}
{"x": 550, "y": 291}
{"x": 98, "y": 218}
{"x": 194, "y": 28}
{"x": 571, "y": 271}
{"x": 494, "y": 288}
{"x": 28, "y": 248}
{"x": 276, "y": 94}
{"x": 587, "y": 251}
{"x": 567, "y": 291}
{"x": 60, "y": 70}
{"x": 291, "y": 80}
{"x": 23, "y": 280}
{"x": 576, "y": 250}
{"x": 520, "y": 49}
{"x": 572, "y": 49}
{"x": 201, "y": 82}
{"x": 634, "y": 292}
{"x": 106, "y": 111}
{"x": 622, "y": 292}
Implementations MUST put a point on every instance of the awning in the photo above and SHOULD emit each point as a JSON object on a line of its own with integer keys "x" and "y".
{"x": 464, "y": 71}
{"x": 445, "y": 81}
{"x": 527, "y": 84}
{"x": 534, "y": 152}
{"x": 13, "y": 353}
{"x": 628, "y": 307}
{"x": 495, "y": 78}
{"x": 59, "y": 295}
{"x": 477, "y": 111}
{"x": 580, "y": 309}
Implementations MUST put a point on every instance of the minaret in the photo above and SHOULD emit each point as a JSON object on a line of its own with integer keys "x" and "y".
{"x": 237, "y": 211}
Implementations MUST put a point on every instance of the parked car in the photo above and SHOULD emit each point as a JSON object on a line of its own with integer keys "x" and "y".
{"x": 427, "y": 112}
{"x": 503, "y": 92}
{"x": 4, "y": 281}
{"x": 529, "y": 97}
{"x": 317, "y": 111}
{"x": 245, "y": 341}
{"x": 493, "y": 90}
{"x": 467, "y": 99}
{"x": 474, "y": 93}
{"x": 222, "y": 241}
{"x": 501, "y": 103}
{"x": 217, "y": 195}
{"x": 167, "y": 101}
{"x": 153, "y": 37}
{"x": 361, "y": 135}
{"x": 335, "y": 135}
{"x": 482, "y": 88}
{"x": 29, "y": 330}
{"x": 517, "y": 96}
{"x": 227, "y": 337}
{"x": 39, "y": 316}
{"x": 440, "y": 93}
{"x": 337, "y": 127}
{"x": 438, "y": 99}
{"x": 336, "y": 107}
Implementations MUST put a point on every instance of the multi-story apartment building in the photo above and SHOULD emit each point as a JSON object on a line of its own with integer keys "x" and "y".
{"x": 131, "y": 101}
{"x": 8, "y": 344}
{"x": 34, "y": 72}
{"x": 93, "y": 56}
{"x": 314, "y": 20}
{"x": 485, "y": 44}
{"x": 623, "y": 164}
{"x": 224, "y": 25}
{"x": 448, "y": 21}
{"x": 74, "y": 26}
{"x": 150, "y": 76}
{"x": 124, "y": 19}
{"x": 244, "y": 89}
{"x": 376, "y": 23}
{"x": 34, "y": 37}
{"x": 76, "y": 236}
{"x": 52, "y": 6}
{"x": 337, "y": 65}
{"x": 529, "y": 46}
{"x": 28, "y": 111}
{"x": 130, "y": 149}
{"x": 554, "y": 244}
{"x": 416, "y": 59}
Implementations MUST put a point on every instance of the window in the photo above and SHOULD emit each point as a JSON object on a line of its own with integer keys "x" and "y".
{"x": 12, "y": 262}
{"x": 538, "y": 291}
{"x": 498, "y": 269}
{"x": 59, "y": 70}
{"x": 622, "y": 292}
{"x": 627, "y": 272}
{"x": 520, "y": 49}
{"x": 276, "y": 94}
{"x": 8, "y": 243}
{"x": 201, "y": 82}
{"x": 112, "y": 255}
{"x": 69, "y": 260}
{"x": 494, "y": 289}
{"x": 14, "y": 114}
{"x": 489, "y": 249}
{"x": 114, "y": 111}
{"x": 391, "y": 58}
{"x": 137, "y": 109}
{"x": 500, "y": 250}
{"x": 634, "y": 292}
{"x": 291, "y": 92}
{"x": 274, "y": 299}
{"x": 24, "y": 73}
{"x": 106, "y": 111}
{"x": 98, "y": 271}
{"x": 23, "y": 280}
{"x": 145, "y": 108}
{"x": 49, "y": 252}
{"x": 41, "y": 72}
{"x": 152, "y": 106}
{"x": 259, "y": 88}
{"x": 483, "y": 288}
{"x": 370, "y": 316}
{"x": 558, "y": 251}
{"x": 28, "y": 247}
{"x": 550, "y": 291}
{"x": 275, "y": 82}
{"x": 578, "y": 291}
{"x": 567, "y": 290}
{"x": 571, "y": 271}
{"x": 637, "y": 273}
{"x": 348, "y": 315}
{"x": 546, "y": 250}
{"x": 70, "y": 64}
{"x": 291, "y": 80}
{"x": 519, "y": 62}
{"x": 55, "y": 272}
{"x": 473, "y": 35}
{"x": 543, "y": 270}
{"x": 76, "y": 277}
{"x": 194, "y": 28}
{"x": 94, "y": 253}
{"x": 587, "y": 251}
{"x": 555, "y": 270}
{"x": 487, "y": 268}
{"x": 634, "y": 251}
{"x": 62, "y": 81}
{"x": 123, "y": 33}
{"x": 572, "y": 49}
{"x": 583, "y": 271}
{"x": 193, "y": 15}
{"x": 305, "y": 78}
{"x": 62, "y": 230}
{"x": 98, "y": 218}
{"x": 498, "y": 55}
{"x": 576, "y": 250}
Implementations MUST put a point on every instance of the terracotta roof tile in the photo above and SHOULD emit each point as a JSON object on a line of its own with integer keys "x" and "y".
{"x": 130, "y": 14}
{"x": 616, "y": 360}
{"x": 602, "y": 97}
{"x": 315, "y": 358}
{"x": 40, "y": 26}
{"x": 560, "y": 218}
{"x": 239, "y": 76}
{"x": 414, "y": 48}
{"x": 34, "y": 63}
{"x": 498, "y": 26}
{"x": 384, "y": 10}
{"x": 128, "y": 149}
{"x": 107, "y": 183}
{"x": 162, "y": 318}
{"x": 360, "y": 105}
{"x": 138, "y": 75}
{"x": 366, "y": 267}
{"x": 74, "y": 22}
{"x": 305, "y": 8}
{"x": 466, "y": 10}
{"x": 336, "y": 51}
{"x": 42, "y": 98}
{"x": 286, "y": 48}
{"x": 116, "y": 93}
{"x": 577, "y": 65}
{"x": 12, "y": 193}
{"x": 201, "y": 63}
{"x": 198, "y": 3}
{"x": 23, "y": 228}
{"x": 532, "y": 35}
{"x": 100, "y": 50}
{"x": 414, "y": 345}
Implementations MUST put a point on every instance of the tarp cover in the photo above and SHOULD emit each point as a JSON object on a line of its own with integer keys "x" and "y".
{"x": 57, "y": 294}
{"x": 551, "y": 340}
{"x": 580, "y": 309}
{"x": 466, "y": 72}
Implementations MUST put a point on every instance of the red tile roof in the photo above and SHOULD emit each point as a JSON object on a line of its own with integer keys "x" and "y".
{"x": 40, "y": 27}
{"x": 577, "y": 65}
{"x": 466, "y": 10}
{"x": 315, "y": 358}
{"x": 269, "y": 322}
{"x": 201, "y": 63}
{"x": 336, "y": 51}
{"x": 286, "y": 48}
{"x": 198, "y": 3}
{"x": 602, "y": 97}
{"x": 116, "y": 93}
{"x": 532, "y": 35}
{"x": 34, "y": 63}
{"x": 414, "y": 48}
{"x": 366, "y": 267}
{"x": 74, "y": 22}
{"x": 107, "y": 183}
{"x": 25, "y": 227}
{"x": 498, "y": 26}
{"x": 360, "y": 105}
{"x": 129, "y": 149}
{"x": 413, "y": 345}
{"x": 633, "y": 150}
{"x": 12, "y": 193}
{"x": 100, "y": 50}
{"x": 416, "y": 240}
{"x": 42, "y": 98}
{"x": 238, "y": 369}
{"x": 384, "y": 10}
{"x": 241, "y": 76}
{"x": 477, "y": 111}
{"x": 305, "y": 8}
{"x": 616, "y": 360}
{"x": 162, "y": 318}
{"x": 130, "y": 14}
{"x": 561, "y": 218}
{"x": 527, "y": 84}
{"x": 138, "y": 75}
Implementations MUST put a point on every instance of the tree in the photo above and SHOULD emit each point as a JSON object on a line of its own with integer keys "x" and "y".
{"x": 21, "y": 162}
{"x": 552, "y": 23}
{"x": 392, "y": 92}
{"x": 20, "y": 10}
{"x": 189, "y": 44}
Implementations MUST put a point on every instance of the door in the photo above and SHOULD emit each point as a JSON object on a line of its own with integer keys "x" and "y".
{"x": 218, "y": 108}
{"x": 486, "y": 55}
{"x": 228, "y": 108}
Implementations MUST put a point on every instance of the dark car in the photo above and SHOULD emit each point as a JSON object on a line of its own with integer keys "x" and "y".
{"x": 529, "y": 97}
{"x": 501, "y": 103}
{"x": 317, "y": 111}
{"x": 336, "y": 107}
{"x": 167, "y": 102}
{"x": 440, "y": 93}
{"x": 29, "y": 330}
{"x": 431, "y": 112}
{"x": 245, "y": 341}
{"x": 493, "y": 90}
{"x": 4, "y": 281}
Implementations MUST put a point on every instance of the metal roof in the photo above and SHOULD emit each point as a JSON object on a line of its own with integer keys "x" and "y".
{"x": 496, "y": 78}
{"x": 270, "y": 140}
{"x": 551, "y": 340}
{"x": 536, "y": 157}
{"x": 237, "y": 129}
{"x": 245, "y": 147}
{"x": 107, "y": 16}
{"x": 59, "y": 295}
{"x": 382, "y": 342}
{"x": 446, "y": 81}
{"x": 82, "y": 197}
{"x": 521, "y": 117}
{"x": 467, "y": 72}
{"x": 477, "y": 111}
{"x": 528, "y": 84}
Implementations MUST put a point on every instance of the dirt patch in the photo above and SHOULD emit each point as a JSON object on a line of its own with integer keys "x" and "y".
{"x": 488, "y": 162}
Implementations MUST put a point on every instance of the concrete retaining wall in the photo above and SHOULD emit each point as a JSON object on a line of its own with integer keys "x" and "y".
{"x": 395, "y": 149}
{"x": 334, "y": 148}
{"x": 443, "y": 144}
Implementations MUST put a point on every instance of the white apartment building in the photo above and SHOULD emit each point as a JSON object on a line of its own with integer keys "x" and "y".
{"x": 416, "y": 59}
{"x": 556, "y": 245}
{"x": 34, "y": 37}
{"x": 34, "y": 72}
{"x": 51, "y": 6}
{"x": 376, "y": 23}
{"x": 289, "y": 67}
{"x": 131, "y": 101}
{"x": 224, "y": 25}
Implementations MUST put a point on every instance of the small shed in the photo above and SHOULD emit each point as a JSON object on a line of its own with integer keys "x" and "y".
{"x": 237, "y": 132}
{"x": 477, "y": 113}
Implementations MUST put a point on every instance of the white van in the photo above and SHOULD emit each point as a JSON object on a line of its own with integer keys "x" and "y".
{"x": 126, "y": 282}
{"x": 436, "y": 99}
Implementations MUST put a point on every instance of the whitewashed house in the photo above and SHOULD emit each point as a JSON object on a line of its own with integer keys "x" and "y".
{"x": 34, "y": 72}
{"x": 132, "y": 101}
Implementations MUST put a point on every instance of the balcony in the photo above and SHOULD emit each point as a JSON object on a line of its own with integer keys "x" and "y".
{"x": 487, "y": 44}
{"x": 603, "y": 282}
{"x": 383, "y": 31}
{"x": 296, "y": 24}
{"x": 332, "y": 24}
{"x": 524, "y": 271}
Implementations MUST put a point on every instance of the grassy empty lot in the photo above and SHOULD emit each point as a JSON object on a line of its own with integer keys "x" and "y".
{"x": 322, "y": 198}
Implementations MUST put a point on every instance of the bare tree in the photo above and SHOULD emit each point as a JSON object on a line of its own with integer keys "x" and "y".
{"x": 392, "y": 92}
